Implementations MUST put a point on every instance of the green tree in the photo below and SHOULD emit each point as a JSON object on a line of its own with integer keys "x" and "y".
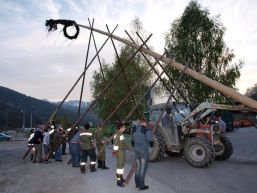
{"x": 252, "y": 92}
{"x": 196, "y": 39}
{"x": 136, "y": 69}
{"x": 64, "y": 121}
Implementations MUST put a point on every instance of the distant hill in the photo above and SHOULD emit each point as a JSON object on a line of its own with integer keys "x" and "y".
{"x": 73, "y": 105}
{"x": 12, "y": 104}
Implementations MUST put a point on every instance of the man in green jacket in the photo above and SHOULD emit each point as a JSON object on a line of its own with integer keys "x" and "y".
{"x": 119, "y": 150}
{"x": 88, "y": 148}
{"x": 100, "y": 144}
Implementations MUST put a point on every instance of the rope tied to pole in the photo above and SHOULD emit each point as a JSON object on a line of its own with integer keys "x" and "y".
{"x": 51, "y": 25}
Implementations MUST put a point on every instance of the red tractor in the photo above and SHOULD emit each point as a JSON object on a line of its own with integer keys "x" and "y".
{"x": 191, "y": 133}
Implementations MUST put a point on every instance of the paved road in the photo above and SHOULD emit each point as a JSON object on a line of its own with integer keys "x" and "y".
{"x": 236, "y": 175}
{"x": 171, "y": 175}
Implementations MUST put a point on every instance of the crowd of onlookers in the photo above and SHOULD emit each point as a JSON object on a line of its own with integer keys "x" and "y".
{"x": 83, "y": 143}
{"x": 47, "y": 142}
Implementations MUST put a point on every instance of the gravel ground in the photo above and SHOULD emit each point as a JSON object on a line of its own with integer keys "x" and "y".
{"x": 172, "y": 174}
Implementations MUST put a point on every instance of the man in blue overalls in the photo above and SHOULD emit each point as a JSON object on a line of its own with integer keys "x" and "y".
{"x": 141, "y": 140}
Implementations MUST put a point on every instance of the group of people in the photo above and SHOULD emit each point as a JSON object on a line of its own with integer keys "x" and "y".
{"x": 47, "y": 142}
{"x": 83, "y": 143}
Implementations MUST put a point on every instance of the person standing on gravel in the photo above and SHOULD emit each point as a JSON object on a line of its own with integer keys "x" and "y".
{"x": 46, "y": 144}
{"x": 57, "y": 145}
{"x": 88, "y": 149}
{"x": 141, "y": 140}
{"x": 31, "y": 144}
{"x": 74, "y": 145}
{"x": 119, "y": 150}
{"x": 100, "y": 145}
{"x": 38, "y": 140}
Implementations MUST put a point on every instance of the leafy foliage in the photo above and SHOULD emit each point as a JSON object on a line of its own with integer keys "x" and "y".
{"x": 133, "y": 75}
{"x": 252, "y": 92}
{"x": 119, "y": 88}
{"x": 196, "y": 39}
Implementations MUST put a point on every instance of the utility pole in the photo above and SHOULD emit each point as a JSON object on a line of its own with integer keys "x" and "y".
{"x": 31, "y": 120}
{"x": 6, "y": 120}
{"x": 23, "y": 122}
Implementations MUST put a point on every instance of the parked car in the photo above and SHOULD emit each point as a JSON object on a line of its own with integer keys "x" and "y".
{"x": 4, "y": 137}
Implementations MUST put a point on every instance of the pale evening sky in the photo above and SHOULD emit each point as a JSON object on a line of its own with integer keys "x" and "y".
{"x": 45, "y": 65}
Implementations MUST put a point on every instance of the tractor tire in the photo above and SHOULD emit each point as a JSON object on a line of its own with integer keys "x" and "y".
{"x": 158, "y": 149}
{"x": 227, "y": 150}
{"x": 199, "y": 152}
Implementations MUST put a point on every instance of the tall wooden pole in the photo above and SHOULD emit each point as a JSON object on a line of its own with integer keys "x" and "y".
{"x": 198, "y": 76}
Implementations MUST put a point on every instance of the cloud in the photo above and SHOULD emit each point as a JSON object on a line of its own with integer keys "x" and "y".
{"x": 50, "y": 7}
{"x": 46, "y": 66}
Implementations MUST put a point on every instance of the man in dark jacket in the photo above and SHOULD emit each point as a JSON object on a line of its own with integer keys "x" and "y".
{"x": 38, "y": 140}
{"x": 141, "y": 140}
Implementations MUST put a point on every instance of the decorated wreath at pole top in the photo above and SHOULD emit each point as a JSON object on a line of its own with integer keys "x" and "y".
{"x": 51, "y": 25}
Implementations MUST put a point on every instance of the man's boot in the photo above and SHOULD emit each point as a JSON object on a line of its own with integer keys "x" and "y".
{"x": 92, "y": 168}
{"x": 82, "y": 168}
{"x": 144, "y": 187}
{"x": 104, "y": 167}
{"x": 120, "y": 182}
{"x": 100, "y": 163}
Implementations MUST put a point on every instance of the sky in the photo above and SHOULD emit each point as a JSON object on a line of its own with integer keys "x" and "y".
{"x": 45, "y": 65}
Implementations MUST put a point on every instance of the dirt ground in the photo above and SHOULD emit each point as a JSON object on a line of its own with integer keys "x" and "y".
{"x": 172, "y": 174}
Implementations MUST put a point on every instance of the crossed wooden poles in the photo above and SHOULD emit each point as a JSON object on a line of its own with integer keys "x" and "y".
{"x": 144, "y": 50}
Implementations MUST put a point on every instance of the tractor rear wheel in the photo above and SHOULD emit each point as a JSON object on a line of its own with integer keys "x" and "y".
{"x": 199, "y": 152}
{"x": 227, "y": 150}
{"x": 158, "y": 149}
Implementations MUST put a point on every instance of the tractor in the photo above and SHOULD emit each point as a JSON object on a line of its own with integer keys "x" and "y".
{"x": 191, "y": 133}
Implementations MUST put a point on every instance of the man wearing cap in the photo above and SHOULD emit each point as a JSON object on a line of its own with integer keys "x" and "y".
{"x": 100, "y": 145}
{"x": 88, "y": 149}
{"x": 141, "y": 140}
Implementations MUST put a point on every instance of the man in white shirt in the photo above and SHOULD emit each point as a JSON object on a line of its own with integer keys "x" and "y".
{"x": 46, "y": 145}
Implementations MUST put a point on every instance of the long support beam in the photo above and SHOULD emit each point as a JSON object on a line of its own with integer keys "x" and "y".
{"x": 108, "y": 85}
{"x": 101, "y": 70}
{"x": 123, "y": 72}
{"x": 64, "y": 99}
{"x": 84, "y": 75}
{"x": 155, "y": 71}
{"x": 166, "y": 73}
{"x": 132, "y": 111}
{"x": 130, "y": 93}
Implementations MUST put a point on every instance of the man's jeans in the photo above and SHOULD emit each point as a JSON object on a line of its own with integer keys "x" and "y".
{"x": 58, "y": 154}
{"x": 75, "y": 154}
{"x": 142, "y": 164}
{"x": 38, "y": 152}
